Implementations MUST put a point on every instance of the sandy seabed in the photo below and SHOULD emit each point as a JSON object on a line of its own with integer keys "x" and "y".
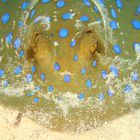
{"x": 126, "y": 127}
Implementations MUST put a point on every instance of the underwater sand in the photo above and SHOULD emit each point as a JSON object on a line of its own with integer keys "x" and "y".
{"x": 127, "y": 127}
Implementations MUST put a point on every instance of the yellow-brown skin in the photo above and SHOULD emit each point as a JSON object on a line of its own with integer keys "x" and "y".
{"x": 42, "y": 54}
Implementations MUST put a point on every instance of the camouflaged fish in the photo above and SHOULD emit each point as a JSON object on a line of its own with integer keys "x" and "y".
{"x": 70, "y": 62}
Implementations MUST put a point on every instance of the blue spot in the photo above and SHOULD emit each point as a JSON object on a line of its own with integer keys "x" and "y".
{"x": 2, "y": 73}
{"x": 137, "y": 47}
{"x": 4, "y": 0}
{"x": 104, "y": 74}
{"x": 5, "y": 83}
{"x": 114, "y": 70}
{"x": 75, "y": 58}
{"x": 127, "y": 89}
{"x": 101, "y": 2}
{"x": 45, "y": 1}
{"x": 119, "y": 4}
{"x": 36, "y": 100}
{"x": 56, "y": 67}
{"x": 101, "y": 97}
{"x": 117, "y": 49}
{"x": 113, "y": 13}
{"x": 110, "y": 92}
{"x": 50, "y": 88}
{"x": 87, "y": 3}
{"x": 17, "y": 43}
{"x": 33, "y": 69}
{"x": 136, "y": 24}
{"x": 67, "y": 16}
{"x": 84, "y": 18}
{"x": 88, "y": 83}
{"x": 134, "y": 76}
{"x": 67, "y": 78}
{"x": 114, "y": 25}
{"x": 138, "y": 10}
{"x": 29, "y": 78}
{"x": 60, "y": 4}
{"x": 73, "y": 43}
{"x": 94, "y": 63}
{"x": 42, "y": 76}
{"x": 95, "y": 9}
{"x": 20, "y": 23}
{"x": 21, "y": 53}
{"x": 17, "y": 70}
{"x": 29, "y": 94}
{"x": 83, "y": 71}
{"x": 81, "y": 96}
{"x": 37, "y": 88}
{"x": 25, "y": 5}
{"x": 32, "y": 13}
{"x": 9, "y": 38}
{"x": 49, "y": 18}
{"x": 5, "y": 18}
{"x": 63, "y": 33}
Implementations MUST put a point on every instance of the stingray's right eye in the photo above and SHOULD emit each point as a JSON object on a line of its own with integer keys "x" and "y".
{"x": 93, "y": 48}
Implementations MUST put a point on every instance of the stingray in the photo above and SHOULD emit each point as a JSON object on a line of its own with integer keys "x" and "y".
{"x": 71, "y": 65}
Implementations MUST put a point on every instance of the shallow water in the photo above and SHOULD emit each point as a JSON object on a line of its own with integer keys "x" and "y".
{"x": 86, "y": 100}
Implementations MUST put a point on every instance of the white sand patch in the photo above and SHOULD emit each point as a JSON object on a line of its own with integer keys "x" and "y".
{"x": 126, "y": 127}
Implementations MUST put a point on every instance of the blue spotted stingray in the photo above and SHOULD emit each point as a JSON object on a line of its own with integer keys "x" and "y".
{"x": 76, "y": 58}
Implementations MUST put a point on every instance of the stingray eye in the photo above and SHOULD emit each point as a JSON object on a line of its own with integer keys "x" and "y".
{"x": 93, "y": 48}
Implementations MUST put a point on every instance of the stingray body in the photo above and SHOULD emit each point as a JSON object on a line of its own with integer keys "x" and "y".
{"x": 73, "y": 62}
